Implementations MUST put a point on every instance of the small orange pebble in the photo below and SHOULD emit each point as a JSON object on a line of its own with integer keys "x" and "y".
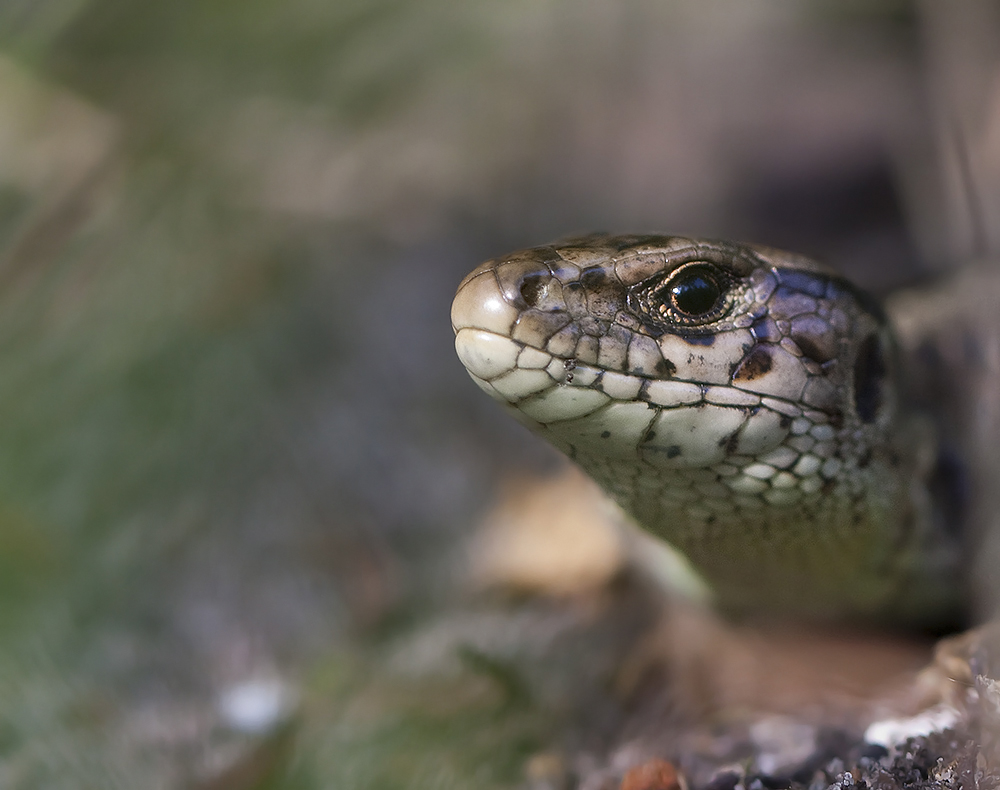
{"x": 652, "y": 775}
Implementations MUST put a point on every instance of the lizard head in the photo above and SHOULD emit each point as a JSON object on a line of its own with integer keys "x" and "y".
{"x": 680, "y": 352}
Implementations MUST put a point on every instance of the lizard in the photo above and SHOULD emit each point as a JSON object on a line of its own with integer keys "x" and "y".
{"x": 811, "y": 451}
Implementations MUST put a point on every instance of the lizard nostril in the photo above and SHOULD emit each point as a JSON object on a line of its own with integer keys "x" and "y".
{"x": 542, "y": 292}
{"x": 533, "y": 289}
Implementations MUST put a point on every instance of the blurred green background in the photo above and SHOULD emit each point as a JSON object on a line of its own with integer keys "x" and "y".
{"x": 237, "y": 455}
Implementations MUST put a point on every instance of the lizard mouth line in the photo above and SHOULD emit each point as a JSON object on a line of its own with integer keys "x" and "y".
{"x": 521, "y": 375}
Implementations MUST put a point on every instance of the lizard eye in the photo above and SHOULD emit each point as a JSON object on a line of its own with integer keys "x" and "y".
{"x": 695, "y": 294}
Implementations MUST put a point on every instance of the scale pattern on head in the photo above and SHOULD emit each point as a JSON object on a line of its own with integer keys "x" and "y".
{"x": 736, "y": 400}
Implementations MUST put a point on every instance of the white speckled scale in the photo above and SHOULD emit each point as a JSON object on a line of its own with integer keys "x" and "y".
{"x": 736, "y": 400}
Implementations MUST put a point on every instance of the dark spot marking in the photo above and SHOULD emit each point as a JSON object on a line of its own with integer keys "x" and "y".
{"x": 593, "y": 277}
{"x": 699, "y": 340}
{"x": 673, "y": 451}
{"x": 731, "y": 442}
{"x": 865, "y": 459}
{"x": 650, "y": 435}
{"x": 836, "y": 418}
{"x": 711, "y": 519}
{"x": 785, "y": 421}
{"x": 665, "y": 368}
{"x": 532, "y": 288}
{"x": 605, "y": 434}
{"x": 869, "y": 377}
{"x": 754, "y": 365}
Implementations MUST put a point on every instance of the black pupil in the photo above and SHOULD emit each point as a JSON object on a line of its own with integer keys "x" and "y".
{"x": 695, "y": 293}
